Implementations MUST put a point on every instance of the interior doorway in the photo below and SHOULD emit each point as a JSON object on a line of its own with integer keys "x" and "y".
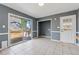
{"x": 44, "y": 29}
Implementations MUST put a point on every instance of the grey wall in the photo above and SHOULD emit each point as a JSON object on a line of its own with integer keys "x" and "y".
{"x": 55, "y": 35}
{"x": 56, "y": 23}
{"x": 4, "y": 20}
{"x": 77, "y": 22}
{"x": 44, "y": 28}
{"x": 34, "y": 28}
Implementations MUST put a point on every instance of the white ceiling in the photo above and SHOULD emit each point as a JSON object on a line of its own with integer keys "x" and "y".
{"x": 33, "y": 9}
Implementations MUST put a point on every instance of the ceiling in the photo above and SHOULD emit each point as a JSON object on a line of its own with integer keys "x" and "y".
{"x": 34, "y": 10}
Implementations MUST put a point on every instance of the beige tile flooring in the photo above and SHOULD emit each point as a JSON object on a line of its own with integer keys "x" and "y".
{"x": 41, "y": 46}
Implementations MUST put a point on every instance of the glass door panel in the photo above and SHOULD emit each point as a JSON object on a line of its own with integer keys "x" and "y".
{"x": 27, "y": 30}
{"x": 16, "y": 32}
{"x": 19, "y": 29}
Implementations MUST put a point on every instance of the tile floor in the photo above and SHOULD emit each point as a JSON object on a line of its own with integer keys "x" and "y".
{"x": 42, "y": 46}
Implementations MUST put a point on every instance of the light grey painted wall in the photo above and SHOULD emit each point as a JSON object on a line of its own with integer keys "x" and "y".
{"x": 4, "y": 20}
{"x": 44, "y": 28}
{"x": 34, "y": 25}
{"x": 55, "y": 35}
{"x": 77, "y": 22}
{"x": 56, "y": 23}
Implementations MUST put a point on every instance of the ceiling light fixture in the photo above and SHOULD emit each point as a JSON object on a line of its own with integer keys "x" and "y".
{"x": 41, "y": 4}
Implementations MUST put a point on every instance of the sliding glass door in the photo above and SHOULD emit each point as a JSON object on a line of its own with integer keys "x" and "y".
{"x": 19, "y": 29}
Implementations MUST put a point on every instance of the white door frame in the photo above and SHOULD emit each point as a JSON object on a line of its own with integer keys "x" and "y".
{"x": 43, "y": 21}
{"x": 74, "y": 24}
{"x": 9, "y": 41}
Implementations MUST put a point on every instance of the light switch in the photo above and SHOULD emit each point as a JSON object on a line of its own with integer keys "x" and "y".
{"x": 3, "y": 26}
{"x": 54, "y": 18}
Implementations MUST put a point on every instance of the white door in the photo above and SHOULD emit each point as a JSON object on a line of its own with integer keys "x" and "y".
{"x": 68, "y": 29}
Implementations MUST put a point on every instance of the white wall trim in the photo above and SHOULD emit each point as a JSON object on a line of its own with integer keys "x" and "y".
{"x": 37, "y": 29}
{"x": 8, "y": 30}
{"x": 3, "y": 33}
{"x": 56, "y": 31}
{"x": 51, "y": 29}
{"x": 34, "y": 31}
